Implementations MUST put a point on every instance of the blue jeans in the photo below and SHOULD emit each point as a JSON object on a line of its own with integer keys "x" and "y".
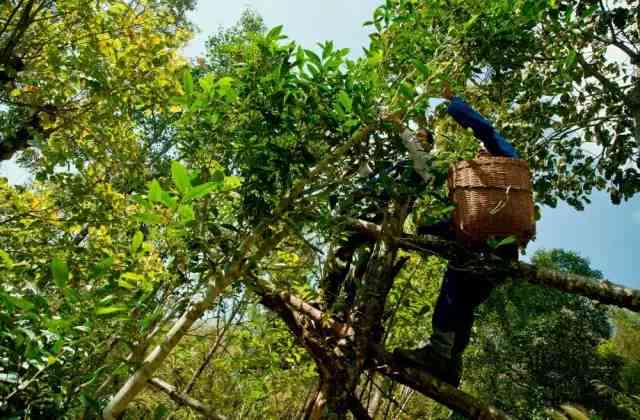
{"x": 461, "y": 292}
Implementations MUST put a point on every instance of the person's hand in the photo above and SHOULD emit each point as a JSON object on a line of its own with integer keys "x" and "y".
{"x": 446, "y": 91}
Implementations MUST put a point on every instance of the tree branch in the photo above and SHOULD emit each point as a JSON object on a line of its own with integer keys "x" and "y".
{"x": 185, "y": 400}
{"x": 431, "y": 387}
{"x": 493, "y": 266}
{"x": 212, "y": 351}
{"x": 357, "y": 409}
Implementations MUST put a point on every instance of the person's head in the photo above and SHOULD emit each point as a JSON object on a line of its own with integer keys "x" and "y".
{"x": 424, "y": 136}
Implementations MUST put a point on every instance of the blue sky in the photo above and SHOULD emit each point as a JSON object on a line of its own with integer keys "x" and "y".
{"x": 609, "y": 236}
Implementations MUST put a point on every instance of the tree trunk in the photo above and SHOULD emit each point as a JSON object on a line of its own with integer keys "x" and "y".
{"x": 318, "y": 405}
{"x": 139, "y": 379}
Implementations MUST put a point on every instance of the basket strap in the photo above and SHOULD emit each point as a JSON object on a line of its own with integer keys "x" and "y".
{"x": 502, "y": 203}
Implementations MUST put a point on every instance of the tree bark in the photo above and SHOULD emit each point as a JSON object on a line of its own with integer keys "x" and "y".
{"x": 139, "y": 379}
{"x": 330, "y": 397}
{"x": 429, "y": 386}
{"x": 494, "y": 267}
{"x": 183, "y": 399}
{"x": 316, "y": 409}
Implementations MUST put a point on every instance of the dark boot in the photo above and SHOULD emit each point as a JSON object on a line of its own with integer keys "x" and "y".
{"x": 436, "y": 357}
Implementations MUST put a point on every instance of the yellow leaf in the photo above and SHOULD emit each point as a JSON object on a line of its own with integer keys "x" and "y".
{"x": 16, "y": 92}
{"x": 175, "y": 109}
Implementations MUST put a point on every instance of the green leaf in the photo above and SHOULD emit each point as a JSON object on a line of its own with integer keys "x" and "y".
{"x": 21, "y": 303}
{"x": 571, "y": 59}
{"x": 274, "y": 34}
{"x": 160, "y": 412}
{"x": 118, "y": 9}
{"x": 470, "y": 22}
{"x": 125, "y": 285}
{"x": 155, "y": 191}
{"x": 130, "y": 280}
{"x": 232, "y": 182}
{"x": 327, "y": 49}
{"x": 108, "y": 310}
{"x": 422, "y": 68}
{"x": 60, "y": 272}
{"x": 200, "y": 191}
{"x": 102, "y": 267}
{"x": 506, "y": 241}
{"x": 226, "y": 89}
{"x": 315, "y": 59}
{"x": 6, "y": 259}
{"x": 186, "y": 213}
{"x": 133, "y": 276}
{"x": 407, "y": 90}
{"x": 138, "y": 237}
{"x": 375, "y": 58}
{"x": 168, "y": 200}
{"x": 345, "y": 101}
{"x": 187, "y": 82}
{"x": 218, "y": 177}
{"x": 180, "y": 177}
{"x": 150, "y": 218}
{"x": 207, "y": 83}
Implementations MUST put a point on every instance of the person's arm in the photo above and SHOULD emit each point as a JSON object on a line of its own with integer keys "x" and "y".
{"x": 466, "y": 116}
{"x": 420, "y": 157}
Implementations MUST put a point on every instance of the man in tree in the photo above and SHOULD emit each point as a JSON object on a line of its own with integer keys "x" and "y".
{"x": 462, "y": 292}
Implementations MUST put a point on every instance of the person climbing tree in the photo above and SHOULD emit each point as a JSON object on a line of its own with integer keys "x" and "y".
{"x": 461, "y": 292}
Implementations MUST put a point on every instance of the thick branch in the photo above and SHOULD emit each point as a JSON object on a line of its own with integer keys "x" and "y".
{"x": 384, "y": 363}
{"x": 357, "y": 409}
{"x": 601, "y": 290}
{"x": 429, "y": 386}
{"x": 183, "y": 399}
{"x": 139, "y": 379}
{"x": 297, "y": 304}
{"x": 493, "y": 266}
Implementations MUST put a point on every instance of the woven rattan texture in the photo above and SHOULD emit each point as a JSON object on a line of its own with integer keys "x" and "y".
{"x": 493, "y": 199}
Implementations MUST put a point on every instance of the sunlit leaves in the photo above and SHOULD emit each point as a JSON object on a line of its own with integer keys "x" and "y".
{"x": 187, "y": 82}
{"x": 345, "y": 101}
{"x": 132, "y": 281}
{"x": 155, "y": 191}
{"x": 111, "y": 310}
{"x": 275, "y": 33}
{"x": 232, "y": 183}
{"x": 201, "y": 191}
{"x": 138, "y": 237}
{"x": 186, "y": 213}
{"x": 6, "y": 260}
{"x": 180, "y": 177}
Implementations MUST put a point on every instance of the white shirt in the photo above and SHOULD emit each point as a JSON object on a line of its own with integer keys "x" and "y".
{"x": 420, "y": 157}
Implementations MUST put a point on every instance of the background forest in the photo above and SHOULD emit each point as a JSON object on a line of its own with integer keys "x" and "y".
{"x": 178, "y": 252}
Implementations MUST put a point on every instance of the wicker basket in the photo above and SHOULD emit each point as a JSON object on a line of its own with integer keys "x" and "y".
{"x": 493, "y": 199}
